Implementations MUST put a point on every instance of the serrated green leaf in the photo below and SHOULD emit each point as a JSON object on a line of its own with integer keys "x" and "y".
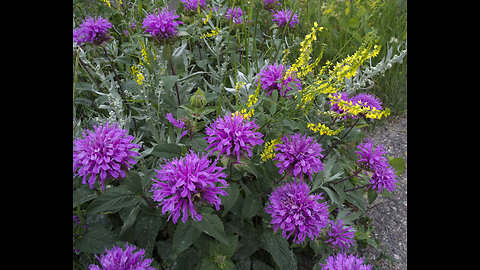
{"x": 113, "y": 200}
{"x": 229, "y": 201}
{"x": 213, "y": 226}
{"x": 167, "y": 150}
{"x": 398, "y": 164}
{"x": 96, "y": 240}
{"x": 278, "y": 247}
{"x": 184, "y": 236}
{"x": 146, "y": 230}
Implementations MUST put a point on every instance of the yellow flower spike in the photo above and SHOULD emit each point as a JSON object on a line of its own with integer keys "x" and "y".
{"x": 269, "y": 150}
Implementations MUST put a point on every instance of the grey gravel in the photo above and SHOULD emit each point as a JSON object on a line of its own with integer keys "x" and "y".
{"x": 389, "y": 214}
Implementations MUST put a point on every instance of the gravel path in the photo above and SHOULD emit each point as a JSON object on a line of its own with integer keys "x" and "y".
{"x": 389, "y": 214}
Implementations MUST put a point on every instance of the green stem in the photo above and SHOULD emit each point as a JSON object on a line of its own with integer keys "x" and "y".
{"x": 169, "y": 53}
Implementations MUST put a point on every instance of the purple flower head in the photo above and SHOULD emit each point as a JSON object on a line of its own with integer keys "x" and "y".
{"x": 232, "y": 135}
{"x": 366, "y": 100}
{"x": 335, "y": 107}
{"x": 93, "y": 31}
{"x": 271, "y": 78}
{"x": 340, "y": 236}
{"x": 182, "y": 183}
{"x": 281, "y": 17}
{"x": 383, "y": 178}
{"x": 345, "y": 262}
{"x": 106, "y": 151}
{"x": 193, "y": 4}
{"x": 370, "y": 156}
{"x": 235, "y": 15}
{"x": 373, "y": 159}
{"x": 117, "y": 258}
{"x": 268, "y": 4}
{"x": 161, "y": 25}
{"x": 299, "y": 154}
{"x": 296, "y": 212}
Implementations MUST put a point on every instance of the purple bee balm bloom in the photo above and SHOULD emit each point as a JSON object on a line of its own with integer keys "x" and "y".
{"x": 117, "y": 258}
{"x": 235, "y": 15}
{"x": 268, "y": 4}
{"x": 296, "y": 212}
{"x": 335, "y": 108}
{"x": 369, "y": 155}
{"x": 232, "y": 135}
{"x": 106, "y": 151}
{"x": 281, "y": 17}
{"x": 366, "y": 100}
{"x": 299, "y": 154}
{"x": 340, "y": 236}
{"x": 161, "y": 25}
{"x": 93, "y": 31}
{"x": 383, "y": 178}
{"x": 345, "y": 262}
{"x": 181, "y": 183}
{"x": 193, "y": 4}
{"x": 271, "y": 78}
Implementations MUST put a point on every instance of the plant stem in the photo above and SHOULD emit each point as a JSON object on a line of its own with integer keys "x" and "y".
{"x": 335, "y": 144}
{"x": 357, "y": 188}
{"x": 148, "y": 202}
{"x": 169, "y": 53}
{"x": 346, "y": 178}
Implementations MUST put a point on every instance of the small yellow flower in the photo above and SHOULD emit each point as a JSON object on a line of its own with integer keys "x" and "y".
{"x": 269, "y": 150}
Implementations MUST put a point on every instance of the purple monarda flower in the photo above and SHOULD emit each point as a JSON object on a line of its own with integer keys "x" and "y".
{"x": 93, "y": 31}
{"x": 340, "y": 236}
{"x": 232, "y": 135}
{"x": 345, "y": 262}
{"x": 116, "y": 258}
{"x": 193, "y": 4}
{"x": 235, "y": 15}
{"x": 373, "y": 159}
{"x": 281, "y": 17}
{"x": 299, "y": 154}
{"x": 106, "y": 151}
{"x": 367, "y": 100}
{"x": 161, "y": 25}
{"x": 271, "y": 78}
{"x": 296, "y": 212}
{"x": 383, "y": 178}
{"x": 369, "y": 156}
{"x": 182, "y": 183}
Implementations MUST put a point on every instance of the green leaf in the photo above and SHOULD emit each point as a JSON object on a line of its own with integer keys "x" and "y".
{"x": 169, "y": 81}
{"x": 130, "y": 220}
{"x": 398, "y": 164}
{"x": 96, "y": 240}
{"x": 167, "y": 150}
{"x": 213, "y": 226}
{"x": 278, "y": 247}
{"x": 133, "y": 182}
{"x": 146, "y": 230}
{"x": 184, "y": 236}
{"x": 113, "y": 200}
{"x": 251, "y": 206}
{"x": 85, "y": 194}
{"x": 229, "y": 201}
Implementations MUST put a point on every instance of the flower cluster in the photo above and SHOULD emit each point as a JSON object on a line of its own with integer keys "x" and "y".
{"x": 345, "y": 262}
{"x": 92, "y": 30}
{"x": 182, "y": 183}
{"x": 117, "y": 258}
{"x": 161, "y": 25}
{"x": 269, "y": 151}
{"x": 373, "y": 160}
{"x": 235, "y": 15}
{"x": 296, "y": 212}
{"x": 282, "y": 17}
{"x": 323, "y": 129}
{"x": 232, "y": 135}
{"x": 299, "y": 154}
{"x": 106, "y": 151}
{"x": 272, "y": 78}
{"x": 192, "y": 5}
{"x": 340, "y": 236}
{"x": 363, "y": 104}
